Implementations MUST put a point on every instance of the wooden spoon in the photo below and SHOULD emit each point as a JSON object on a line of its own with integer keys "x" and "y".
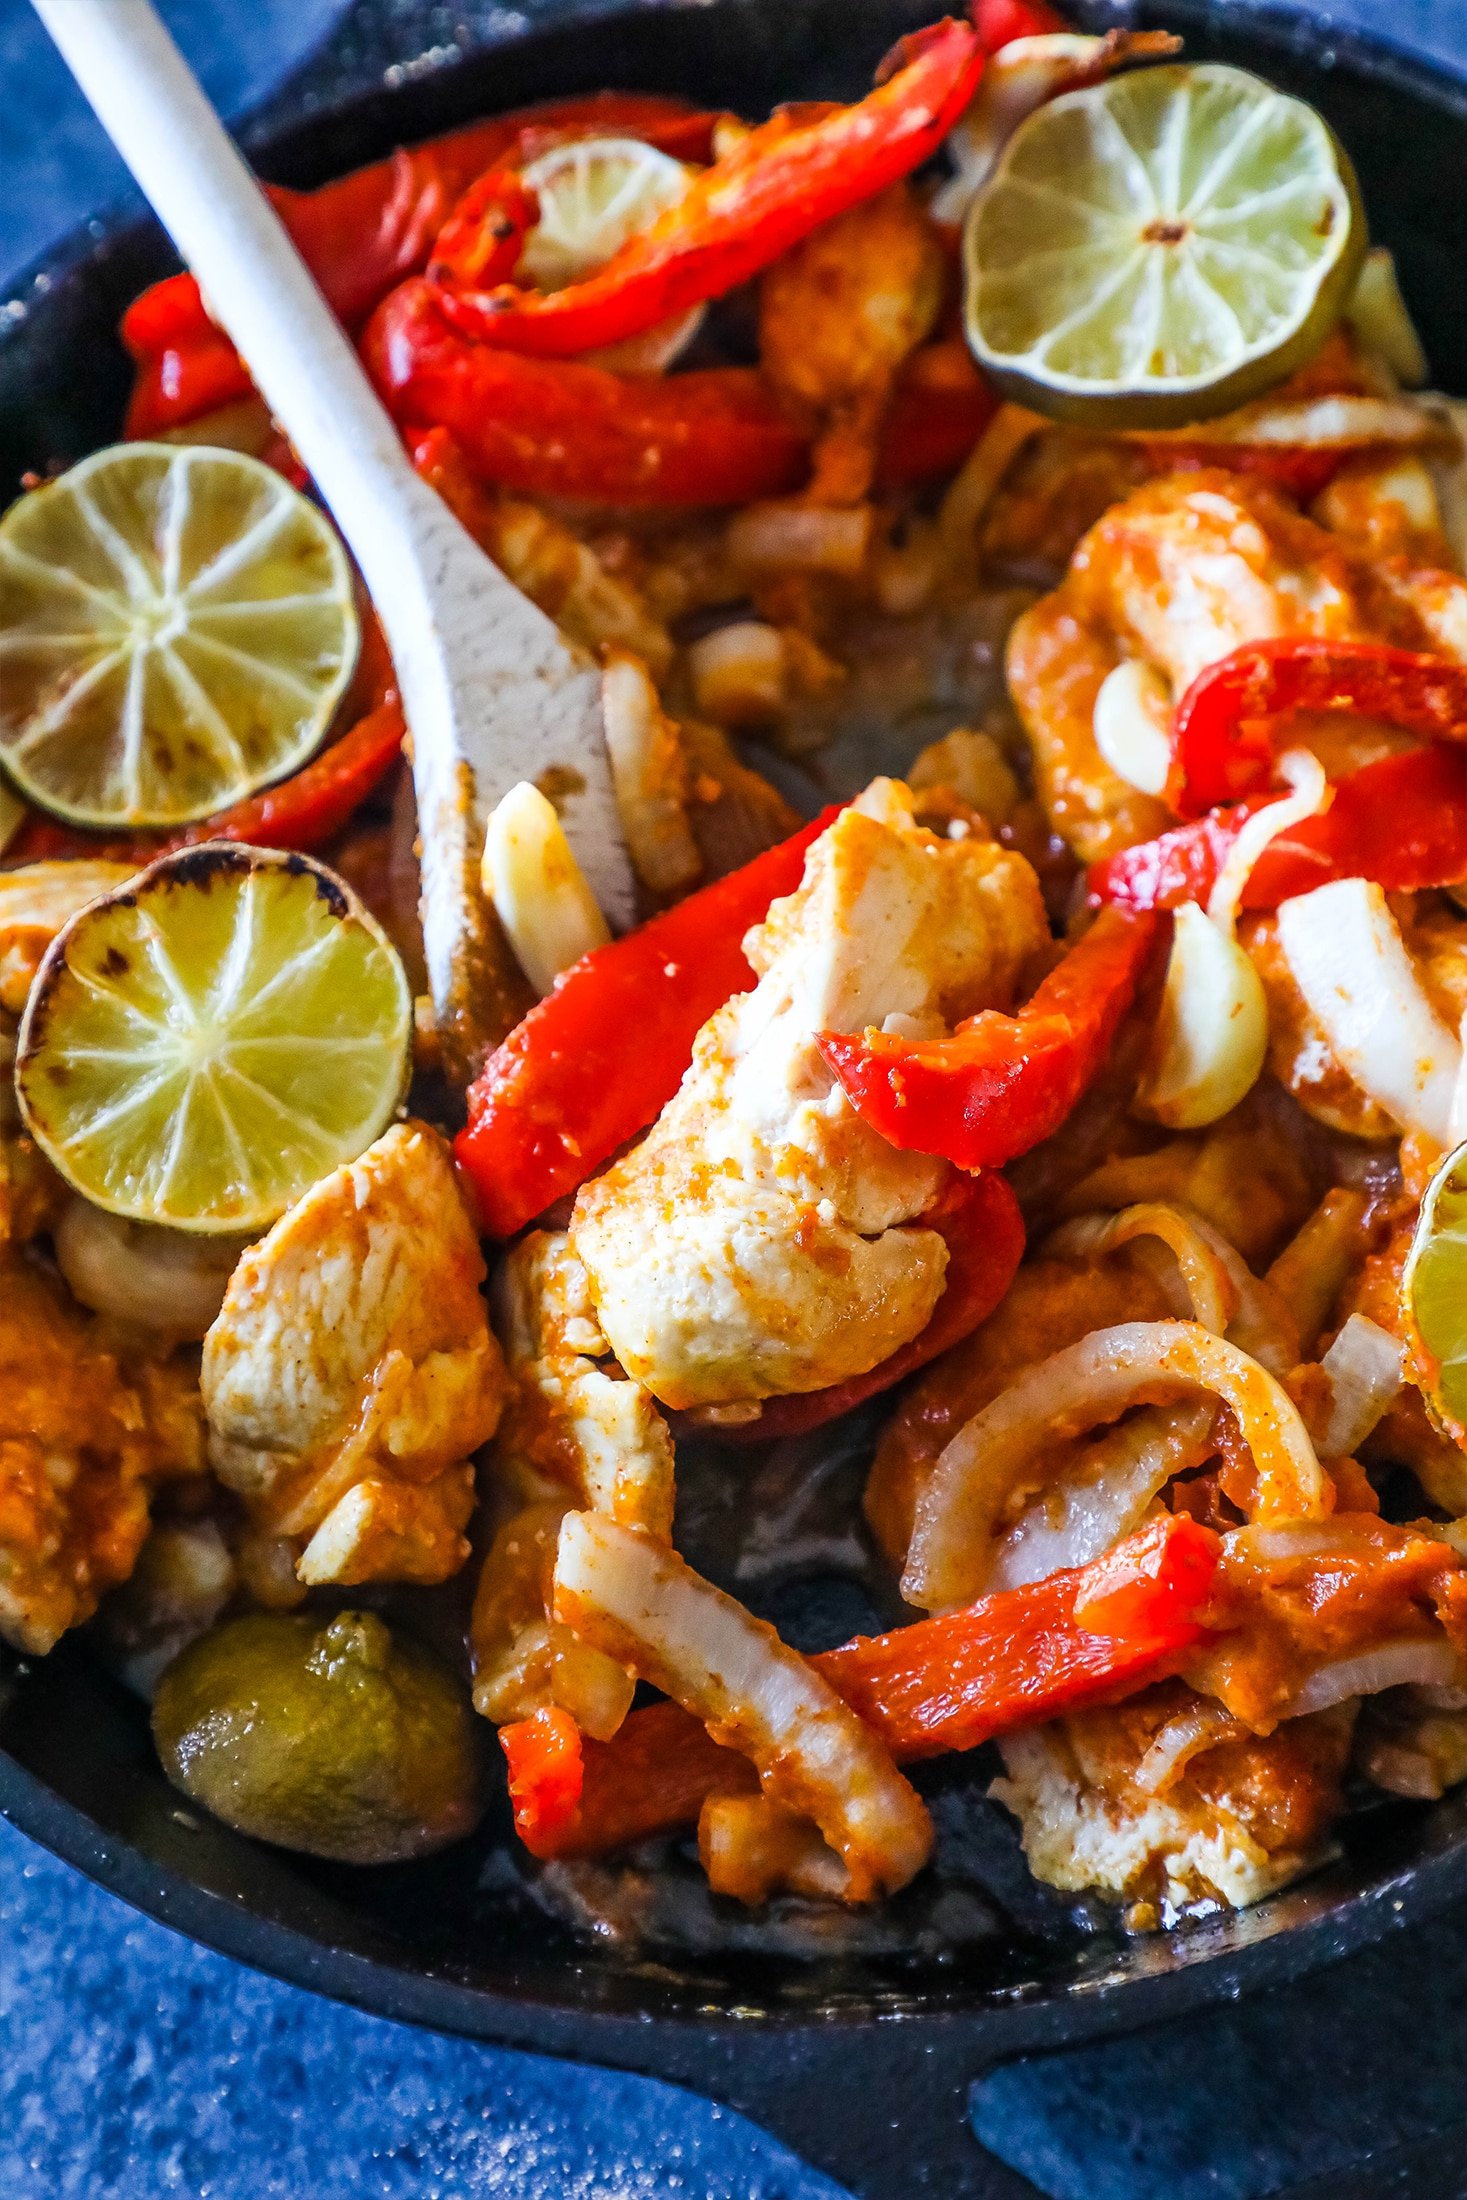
{"x": 492, "y": 692}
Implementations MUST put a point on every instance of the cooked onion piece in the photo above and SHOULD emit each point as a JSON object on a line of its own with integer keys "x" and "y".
{"x": 639, "y": 1602}
{"x": 1106, "y": 1496}
{"x": 1211, "y": 1036}
{"x": 1364, "y": 1366}
{"x": 973, "y": 488}
{"x": 1133, "y": 724}
{"x": 739, "y": 674}
{"x": 1350, "y": 963}
{"x": 788, "y": 536}
{"x": 539, "y": 891}
{"x": 952, "y": 1549}
{"x": 169, "y": 1281}
{"x": 648, "y": 774}
{"x": 1416, "y": 1662}
{"x": 1309, "y": 795}
{"x": 1201, "y": 1726}
{"x": 1222, "y": 1291}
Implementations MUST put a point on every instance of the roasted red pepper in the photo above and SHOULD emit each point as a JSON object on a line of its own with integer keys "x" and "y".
{"x": 999, "y": 22}
{"x": 365, "y": 232}
{"x": 1222, "y": 737}
{"x": 979, "y": 1218}
{"x": 940, "y": 407}
{"x": 300, "y": 814}
{"x": 1011, "y": 1660}
{"x": 483, "y": 237}
{"x": 1300, "y": 470}
{"x": 1401, "y": 822}
{"x": 544, "y": 1754}
{"x": 788, "y": 177}
{"x": 559, "y": 428}
{"x": 599, "y": 1058}
{"x": 1000, "y": 1084}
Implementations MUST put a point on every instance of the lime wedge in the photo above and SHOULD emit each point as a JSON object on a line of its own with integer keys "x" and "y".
{"x": 205, "y": 1042}
{"x": 1434, "y": 1296}
{"x": 1160, "y": 248}
{"x": 594, "y": 194}
{"x": 176, "y": 629}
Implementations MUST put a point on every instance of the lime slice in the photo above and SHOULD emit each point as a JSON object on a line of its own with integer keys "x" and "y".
{"x": 204, "y": 1043}
{"x": 1434, "y": 1296}
{"x": 593, "y": 195}
{"x": 176, "y": 629}
{"x": 1160, "y": 248}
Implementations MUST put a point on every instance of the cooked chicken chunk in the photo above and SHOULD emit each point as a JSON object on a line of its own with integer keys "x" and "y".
{"x": 81, "y": 1448}
{"x": 352, "y": 1370}
{"x": 758, "y": 1241}
{"x": 1180, "y": 574}
{"x": 1107, "y": 1799}
{"x": 35, "y": 902}
{"x": 569, "y": 1417}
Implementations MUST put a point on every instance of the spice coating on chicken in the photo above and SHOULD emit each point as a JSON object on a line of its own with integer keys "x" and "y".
{"x": 352, "y": 1369}
{"x": 1179, "y": 574}
{"x": 81, "y": 1449}
{"x": 757, "y": 1242}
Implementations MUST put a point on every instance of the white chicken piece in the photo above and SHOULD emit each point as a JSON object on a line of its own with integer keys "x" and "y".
{"x": 572, "y": 1419}
{"x": 759, "y": 1242}
{"x": 1164, "y": 1802}
{"x": 1179, "y": 574}
{"x": 352, "y": 1370}
{"x": 35, "y": 902}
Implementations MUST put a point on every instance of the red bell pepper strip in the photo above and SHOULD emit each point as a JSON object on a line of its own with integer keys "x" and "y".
{"x": 1401, "y": 822}
{"x": 1221, "y": 736}
{"x": 300, "y": 814}
{"x": 367, "y": 231}
{"x": 999, "y": 22}
{"x": 545, "y": 1770}
{"x": 1011, "y": 1660}
{"x": 566, "y": 1090}
{"x": 483, "y": 237}
{"x": 560, "y": 428}
{"x": 940, "y": 407}
{"x": 1300, "y": 470}
{"x": 979, "y": 1218}
{"x": 787, "y": 178}
{"x": 1000, "y": 1084}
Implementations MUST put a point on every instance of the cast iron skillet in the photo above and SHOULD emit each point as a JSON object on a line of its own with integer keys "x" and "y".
{"x": 862, "y": 2069}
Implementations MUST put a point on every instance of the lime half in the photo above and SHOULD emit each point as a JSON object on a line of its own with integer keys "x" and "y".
{"x": 207, "y": 1041}
{"x": 1434, "y": 1296}
{"x": 594, "y": 195}
{"x": 177, "y": 627}
{"x": 1160, "y": 248}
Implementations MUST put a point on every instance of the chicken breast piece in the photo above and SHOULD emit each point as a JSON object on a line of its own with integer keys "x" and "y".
{"x": 35, "y": 902}
{"x": 569, "y": 1417}
{"x": 352, "y": 1369}
{"x": 758, "y": 1241}
{"x": 1233, "y": 1822}
{"x": 1179, "y": 574}
{"x": 82, "y": 1447}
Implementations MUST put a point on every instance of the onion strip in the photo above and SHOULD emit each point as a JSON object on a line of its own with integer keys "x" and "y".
{"x": 635, "y": 1599}
{"x": 1222, "y": 1291}
{"x": 958, "y": 1513}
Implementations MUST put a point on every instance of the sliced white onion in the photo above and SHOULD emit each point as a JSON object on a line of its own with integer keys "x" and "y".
{"x": 972, "y": 489}
{"x": 638, "y": 1601}
{"x": 1200, "y": 1727}
{"x": 1364, "y": 1366}
{"x": 169, "y": 1281}
{"x": 647, "y": 774}
{"x": 738, "y": 673}
{"x": 1133, "y": 724}
{"x": 1087, "y": 1384}
{"x": 539, "y": 891}
{"x": 653, "y": 350}
{"x": 1349, "y": 961}
{"x": 1339, "y": 422}
{"x": 1211, "y": 1036}
{"x": 1107, "y": 1495}
{"x": 1417, "y": 1663}
{"x": 788, "y": 536}
{"x": 1018, "y": 78}
{"x": 1381, "y": 320}
{"x": 1222, "y": 1291}
{"x": 1310, "y": 796}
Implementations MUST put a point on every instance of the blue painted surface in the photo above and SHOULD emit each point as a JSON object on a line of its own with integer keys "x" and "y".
{"x": 133, "y": 2066}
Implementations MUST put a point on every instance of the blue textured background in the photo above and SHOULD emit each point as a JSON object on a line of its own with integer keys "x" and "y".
{"x": 134, "y": 2066}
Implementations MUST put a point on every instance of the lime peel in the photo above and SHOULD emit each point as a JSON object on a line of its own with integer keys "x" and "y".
{"x": 1160, "y": 248}
{"x": 208, "y": 1040}
{"x": 1434, "y": 1297}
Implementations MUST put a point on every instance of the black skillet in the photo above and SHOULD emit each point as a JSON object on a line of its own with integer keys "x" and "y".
{"x": 861, "y": 2065}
